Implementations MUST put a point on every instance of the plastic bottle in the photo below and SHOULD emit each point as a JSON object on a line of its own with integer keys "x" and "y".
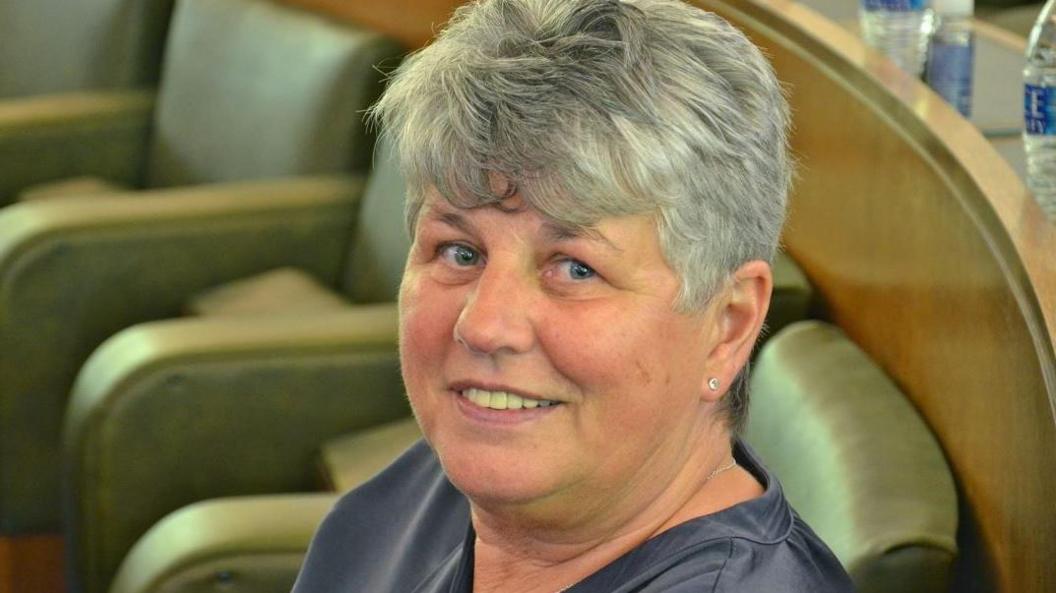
{"x": 1039, "y": 110}
{"x": 951, "y": 53}
{"x": 899, "y": 29}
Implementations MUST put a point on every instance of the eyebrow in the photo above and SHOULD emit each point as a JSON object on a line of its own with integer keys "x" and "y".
{"x": 452, "y": 219}
{"x": 554, "y": 231}
{"x": 558, "y": 232}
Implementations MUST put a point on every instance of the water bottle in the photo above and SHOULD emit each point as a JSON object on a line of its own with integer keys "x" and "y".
{"x": 1039, "y": 110}
{"x": 899, "y": 29}
{"x": 951, "y": 53}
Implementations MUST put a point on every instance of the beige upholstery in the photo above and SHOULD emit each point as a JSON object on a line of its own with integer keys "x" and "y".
{"x": 251, "y": 89}
{"x": 285, "y": 291}
{"x": 352, "y": 459}
{"x": 50, "y": 46}
{"x": 76, "y": 187}
{"x": 855, "y": 460}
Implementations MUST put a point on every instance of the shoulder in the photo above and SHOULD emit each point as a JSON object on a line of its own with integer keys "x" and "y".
{"x": 797, "y": 563}
{"x": 800, "y": 563}
{"x": 759, "y": 545}
{"x": 771, "y": 548}
{"x": 372, "y": 533}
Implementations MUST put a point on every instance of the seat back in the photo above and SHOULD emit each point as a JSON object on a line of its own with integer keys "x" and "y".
{"x": 855, "y": 460}
{"x": 380, "y": 243}
{"x": 253, "y": 89}
{"x": 48, "y": 46}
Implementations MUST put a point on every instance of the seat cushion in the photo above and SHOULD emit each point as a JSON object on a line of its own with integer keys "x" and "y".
{"x": 285, "y": 291}
{"x": 348, "y": 461}
{"x": 855, "y": 459}
{"x": 77, "y": 187}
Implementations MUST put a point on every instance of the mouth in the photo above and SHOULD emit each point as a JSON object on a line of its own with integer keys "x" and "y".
{"x": 503, "y": 400}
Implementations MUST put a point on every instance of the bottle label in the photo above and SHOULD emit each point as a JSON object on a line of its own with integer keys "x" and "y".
{"x": 1038, "y": 110}
{"x": 894, "y": 5}
{"x": 949, "y": 72}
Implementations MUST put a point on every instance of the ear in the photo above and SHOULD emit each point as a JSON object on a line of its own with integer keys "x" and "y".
{"x": 737, "y": 320}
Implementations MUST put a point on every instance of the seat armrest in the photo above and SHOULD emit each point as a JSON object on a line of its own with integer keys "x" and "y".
{"x": 169, "y": 413}
{"x": 101, "y": 134}
{"x": 238, "y": 545}
{"x": 855, "y": 459}
{"x": 74, "y": 272}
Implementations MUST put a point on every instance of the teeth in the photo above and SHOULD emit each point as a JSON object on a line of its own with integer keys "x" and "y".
{"x": 500, "y": 400}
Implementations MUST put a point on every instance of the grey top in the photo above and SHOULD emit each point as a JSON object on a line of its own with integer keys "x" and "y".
{"x": 408, "y": 531}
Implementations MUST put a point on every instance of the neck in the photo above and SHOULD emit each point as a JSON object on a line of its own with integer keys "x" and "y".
{"x": 521, "y": 549}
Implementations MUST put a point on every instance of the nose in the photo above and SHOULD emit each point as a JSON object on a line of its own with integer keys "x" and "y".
{"x": 495, "y": 318}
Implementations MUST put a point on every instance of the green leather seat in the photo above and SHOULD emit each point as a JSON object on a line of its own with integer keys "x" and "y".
{"x": 251, "y": 90}
{"x": 223, "y": 544}
{"x": 167, "y": 413}
{"x": 855, "y": 459}
{"x": 105, "y": 44}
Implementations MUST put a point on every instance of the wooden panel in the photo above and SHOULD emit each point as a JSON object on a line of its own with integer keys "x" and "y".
{"x": 413, "y": 22}
{"x": 31, "y": 564}
{"x": 928, "y": 251}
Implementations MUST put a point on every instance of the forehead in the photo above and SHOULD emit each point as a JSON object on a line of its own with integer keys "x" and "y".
{"x": 436, "y": 208}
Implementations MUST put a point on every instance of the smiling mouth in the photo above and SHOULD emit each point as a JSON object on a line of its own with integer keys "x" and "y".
{"x": 501, "y": 400}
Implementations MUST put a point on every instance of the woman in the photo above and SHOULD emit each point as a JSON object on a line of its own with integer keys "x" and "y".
{"x": 595, "y": 188}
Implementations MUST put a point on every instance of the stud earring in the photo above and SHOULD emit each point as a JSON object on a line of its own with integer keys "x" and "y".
{"x": 713, "y": 384}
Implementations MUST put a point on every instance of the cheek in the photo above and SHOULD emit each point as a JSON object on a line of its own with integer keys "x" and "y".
{"x": 605, "y": 353}
{"x": 630, "y": 368}
{"x": 426, "y": 328}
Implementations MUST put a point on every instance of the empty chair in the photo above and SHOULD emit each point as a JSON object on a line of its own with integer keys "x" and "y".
{"x": 237, "y": 401}
{"x": 53, "y": 46}
{"x": 855, "y": 460}
{"x": 227, "y": 542}
{"x": 251, "y": 90}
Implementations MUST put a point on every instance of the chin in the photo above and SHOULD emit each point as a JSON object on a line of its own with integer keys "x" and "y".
{"x": 495, "y": 476}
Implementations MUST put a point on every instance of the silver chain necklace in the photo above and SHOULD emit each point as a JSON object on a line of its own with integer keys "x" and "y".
{"x": 732, "y": 464}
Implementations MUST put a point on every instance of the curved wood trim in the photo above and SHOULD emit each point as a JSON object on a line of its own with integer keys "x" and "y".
{"x": 930, "y": 253}
{"x": 412, "y": 22}
{"x": 998, "y": 35}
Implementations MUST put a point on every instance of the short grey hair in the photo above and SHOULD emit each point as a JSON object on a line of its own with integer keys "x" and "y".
{"x": 597, "y": 108}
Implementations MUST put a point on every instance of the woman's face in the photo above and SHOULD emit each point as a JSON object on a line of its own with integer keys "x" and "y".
{"x": 546, "y": 366}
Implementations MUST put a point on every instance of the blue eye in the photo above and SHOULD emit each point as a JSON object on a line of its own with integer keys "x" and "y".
{"x": 578, "y": 270}
{"x": 460, "y": 255}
